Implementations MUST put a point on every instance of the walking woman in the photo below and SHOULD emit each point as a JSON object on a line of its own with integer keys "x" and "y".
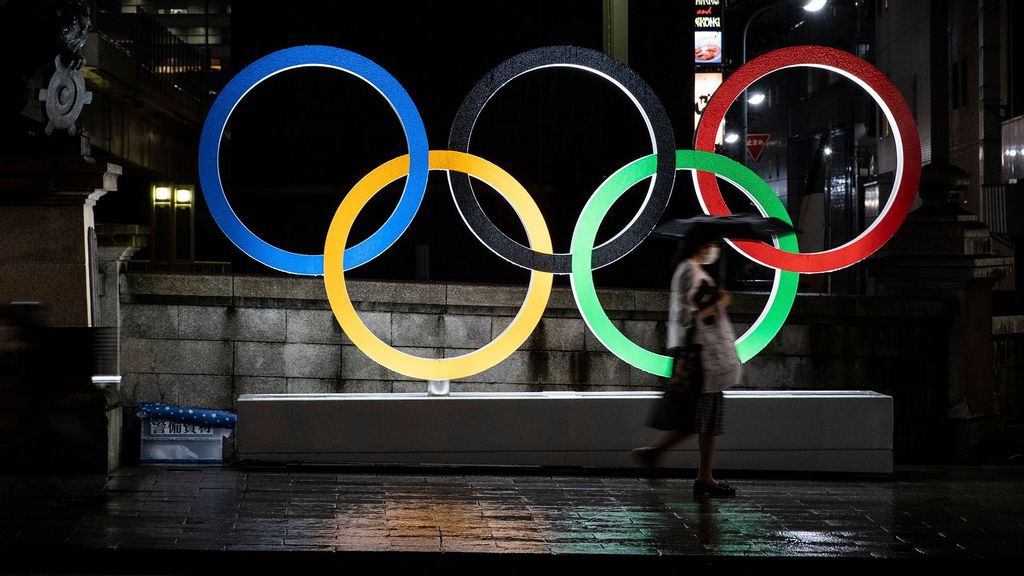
{"x": 701, "y": 342}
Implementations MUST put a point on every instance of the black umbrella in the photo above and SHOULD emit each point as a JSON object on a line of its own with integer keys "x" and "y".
{"x": 736, "y": 226}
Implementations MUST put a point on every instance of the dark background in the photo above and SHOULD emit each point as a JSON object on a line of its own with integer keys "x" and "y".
{"x": 301, "y": 139}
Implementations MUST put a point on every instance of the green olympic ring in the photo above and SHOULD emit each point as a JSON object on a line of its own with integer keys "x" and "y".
{"x": 784, "y": 287}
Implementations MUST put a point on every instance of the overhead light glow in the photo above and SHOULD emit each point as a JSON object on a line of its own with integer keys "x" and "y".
{"x": 815, "y": 5}
{"x": 828, "y": 150}
{"x": 731, "y": 138}
{"x": 162, "y": 194}
{"x": 756, "y": 98}
{"x": 183, "y": 196}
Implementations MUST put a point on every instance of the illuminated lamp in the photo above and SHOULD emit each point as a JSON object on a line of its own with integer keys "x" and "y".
{"x": 161, "y": 194}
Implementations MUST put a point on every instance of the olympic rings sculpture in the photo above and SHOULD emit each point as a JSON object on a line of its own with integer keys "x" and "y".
{"x": 660, "y": 167}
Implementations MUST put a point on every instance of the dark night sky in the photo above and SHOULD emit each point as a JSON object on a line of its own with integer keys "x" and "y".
{"x": 301, "y": 139}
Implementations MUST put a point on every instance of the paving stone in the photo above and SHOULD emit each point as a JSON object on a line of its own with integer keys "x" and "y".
{"x": 962, "y": 514}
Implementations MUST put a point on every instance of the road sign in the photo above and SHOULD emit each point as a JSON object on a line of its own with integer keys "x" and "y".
{"x": 756, "y": 144}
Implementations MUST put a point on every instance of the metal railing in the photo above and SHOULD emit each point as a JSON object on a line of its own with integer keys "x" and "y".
{"x": 993, "y": 208}
{"x": 166, "y": 56}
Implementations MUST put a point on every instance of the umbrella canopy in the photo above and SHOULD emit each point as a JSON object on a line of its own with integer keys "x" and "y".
{"x": 736, "y": 226}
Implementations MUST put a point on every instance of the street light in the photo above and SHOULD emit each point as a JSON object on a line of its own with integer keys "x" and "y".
{"x": 172, "y": 223}
{"x": 183, "y": 196}
{"x": 808, "y": 6}
{"x": 161, "y": 194}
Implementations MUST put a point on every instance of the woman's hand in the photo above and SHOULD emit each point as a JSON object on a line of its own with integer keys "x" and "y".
{"x": 724, "y": 299}
{"x": 722, "y": 302}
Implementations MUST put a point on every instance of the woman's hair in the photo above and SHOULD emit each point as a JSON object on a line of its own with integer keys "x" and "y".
{"x": 687, "y": 247}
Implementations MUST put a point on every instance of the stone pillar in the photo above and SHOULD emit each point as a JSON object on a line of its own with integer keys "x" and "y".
{"x": 47, "y": 233}
{"x": 117, "y": 244}
{"x": 945, "y": 253}
{"x": 52, "y": 417}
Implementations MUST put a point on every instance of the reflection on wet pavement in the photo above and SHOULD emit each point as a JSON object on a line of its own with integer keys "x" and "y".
{"x": 956, "y": 513}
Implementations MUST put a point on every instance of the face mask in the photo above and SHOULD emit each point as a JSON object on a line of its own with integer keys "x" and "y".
{"x": 711, "y": 256}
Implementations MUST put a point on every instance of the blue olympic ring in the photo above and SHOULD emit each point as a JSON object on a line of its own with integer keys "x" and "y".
{"x": 299, "y": 57}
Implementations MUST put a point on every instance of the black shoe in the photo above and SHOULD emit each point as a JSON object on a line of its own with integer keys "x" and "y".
{"x": 718, "y": 489}
{"x": 646, "y": 457}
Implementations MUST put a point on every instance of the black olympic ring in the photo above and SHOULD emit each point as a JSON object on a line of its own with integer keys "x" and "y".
{"x": 650, "y": 107}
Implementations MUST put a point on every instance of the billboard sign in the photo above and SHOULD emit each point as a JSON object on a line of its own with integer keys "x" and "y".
{"x": 707, "y": 35}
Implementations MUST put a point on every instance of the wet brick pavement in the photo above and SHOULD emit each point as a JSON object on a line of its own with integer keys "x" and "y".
{"x": 190, "y": 519}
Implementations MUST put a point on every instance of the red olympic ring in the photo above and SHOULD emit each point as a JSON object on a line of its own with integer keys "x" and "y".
{"x": 908, "y": 155}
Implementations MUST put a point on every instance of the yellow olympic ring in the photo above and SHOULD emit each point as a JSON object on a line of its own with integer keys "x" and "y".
{"x": 437, "y": 368}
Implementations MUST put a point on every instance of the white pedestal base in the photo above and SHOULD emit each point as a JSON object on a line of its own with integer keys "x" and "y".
{"x": 827, "y": 431}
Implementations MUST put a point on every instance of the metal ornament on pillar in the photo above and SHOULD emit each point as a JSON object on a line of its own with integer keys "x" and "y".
{"x": 65, "y": 96}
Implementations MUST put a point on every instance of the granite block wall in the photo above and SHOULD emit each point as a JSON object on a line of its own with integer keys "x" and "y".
{"x": 204, "y": 340}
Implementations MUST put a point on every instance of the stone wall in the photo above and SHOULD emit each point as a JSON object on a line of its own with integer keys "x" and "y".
{"x": 204, "y": 340}
{"x": 207, "y": 339}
